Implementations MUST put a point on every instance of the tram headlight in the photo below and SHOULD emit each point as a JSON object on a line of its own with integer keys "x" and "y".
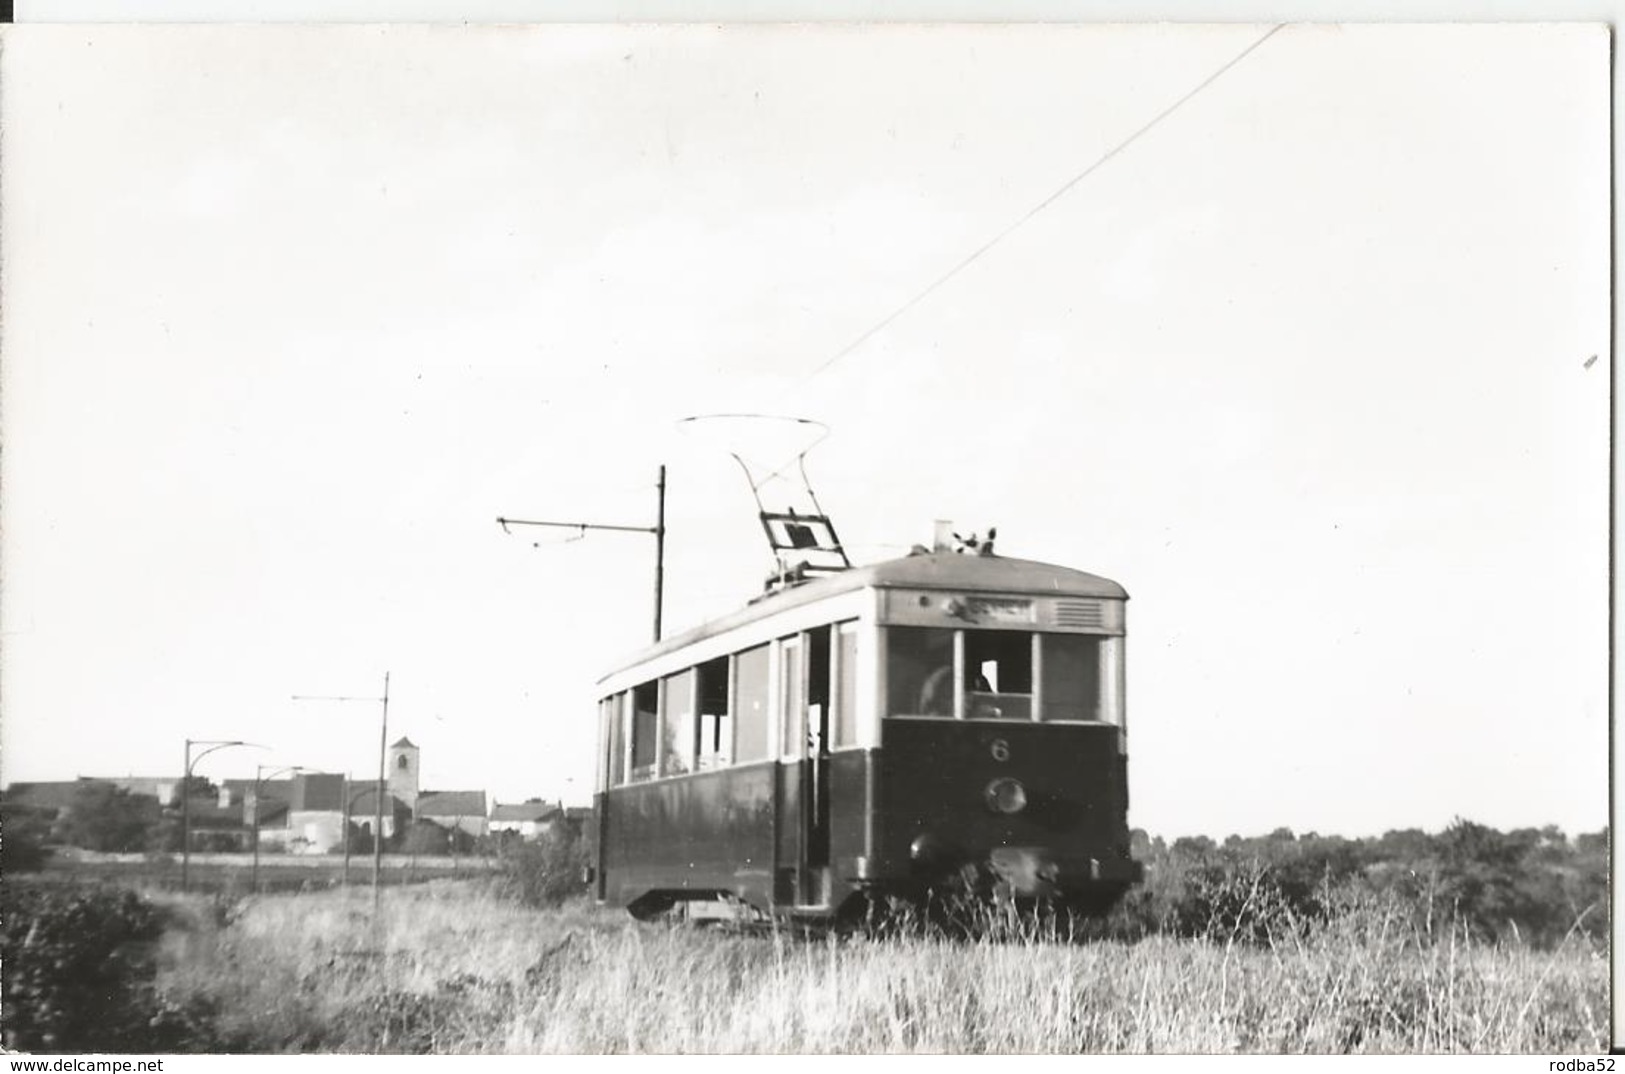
{"x": 927, "y": 849}
{"x": 1006, "y": 795}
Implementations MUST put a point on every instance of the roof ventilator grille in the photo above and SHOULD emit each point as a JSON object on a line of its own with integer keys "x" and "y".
{"x": 1079, "y": 613}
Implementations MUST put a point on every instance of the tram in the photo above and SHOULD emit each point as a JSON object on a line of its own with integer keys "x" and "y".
{"x": 951, "y": 720}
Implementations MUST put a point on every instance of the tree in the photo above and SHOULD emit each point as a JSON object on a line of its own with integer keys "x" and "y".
{"x": 197, "y": 787}
{"x": 1408, "y": 847}
{"x": 108, "y": 818}
{"x": 1485, "y": 877}
{"x": 1592, "y": 843}
{"x": 1194, "y": 847}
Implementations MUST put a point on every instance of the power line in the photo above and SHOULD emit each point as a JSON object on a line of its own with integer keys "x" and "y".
{"x": 1041, "y": 206}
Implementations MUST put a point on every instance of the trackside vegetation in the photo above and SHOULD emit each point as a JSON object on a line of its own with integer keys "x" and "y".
{"x": 1469, "y": 940}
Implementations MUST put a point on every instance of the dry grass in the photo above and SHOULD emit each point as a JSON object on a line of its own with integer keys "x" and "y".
{"x": 451, "y": 967}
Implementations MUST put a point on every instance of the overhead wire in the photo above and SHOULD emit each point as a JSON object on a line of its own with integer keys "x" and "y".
{"x": 1046, "y": 203}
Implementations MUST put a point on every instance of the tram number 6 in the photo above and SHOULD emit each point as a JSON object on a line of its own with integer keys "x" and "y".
{"x": 1000, "y": 750}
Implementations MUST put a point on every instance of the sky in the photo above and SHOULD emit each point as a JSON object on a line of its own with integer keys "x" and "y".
{"x": 292, "y": 315}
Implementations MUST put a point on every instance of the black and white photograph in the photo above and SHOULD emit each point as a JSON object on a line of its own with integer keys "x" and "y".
{"x": 744, "y": 537}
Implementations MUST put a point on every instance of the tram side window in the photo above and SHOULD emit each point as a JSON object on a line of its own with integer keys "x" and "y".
{"x": 919, "y": 671}
{"x": 751, "y": 704}
{"x": 715, "y": 746}
{"x": 846, "y": 687}
{"x": 1071, "y": 677}
{"x": 998, "y": 674}
{"x": 616, "y": 740}
{"x": 681, "y": 736}
{"x": 645, "y": 729}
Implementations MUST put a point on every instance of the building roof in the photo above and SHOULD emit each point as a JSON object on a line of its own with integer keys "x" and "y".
{"x": 364, "y": 804}
{"x": 243, "y": 789}
{"x": 307, "y": 791}
{"x": 523, "y": 811}
{"x": 269, "y": 810}
{"x": 925, "y": 570}
{"x": 50, "y": 794}
{"x": 318, "y": 792}
{"x": 403, "y": 742}
{"x": 451, "y": 804}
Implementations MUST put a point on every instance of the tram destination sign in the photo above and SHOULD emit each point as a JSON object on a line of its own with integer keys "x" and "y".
{"x": 999, "y": 610}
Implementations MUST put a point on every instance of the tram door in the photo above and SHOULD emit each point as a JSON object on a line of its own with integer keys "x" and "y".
{"x": 815, "y": 786}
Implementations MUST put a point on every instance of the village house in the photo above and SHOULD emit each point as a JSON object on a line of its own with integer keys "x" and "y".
{"x": 527, "y": 820}
{"x": 306, "y": 813}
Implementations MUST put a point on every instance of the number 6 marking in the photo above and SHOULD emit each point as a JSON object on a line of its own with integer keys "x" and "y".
{"x": 1000, "y": 750}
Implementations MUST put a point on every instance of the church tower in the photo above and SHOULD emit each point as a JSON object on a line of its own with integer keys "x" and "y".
{"x": 403, "y": 771}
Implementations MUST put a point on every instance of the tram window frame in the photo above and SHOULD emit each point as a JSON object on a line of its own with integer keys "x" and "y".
{"x": 608, "y": 776}
{"x": 752, "y": 704}
{"x": 679, "y": 723}
{"x": 617, "y": 740}
{"x": 1003, "y": 701}
{"x": 643, "y": 760}
{"x": 790, "y": 708}
{"x": 844, "y": 688}
{"x": 714, "y": 731}
{"x": 1001, "y": 660}
{"x": 1059, "y": 695}
{"x": 914, "y": 688}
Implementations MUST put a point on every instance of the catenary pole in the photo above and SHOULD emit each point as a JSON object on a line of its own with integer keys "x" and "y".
{"x": 658, "y": 530}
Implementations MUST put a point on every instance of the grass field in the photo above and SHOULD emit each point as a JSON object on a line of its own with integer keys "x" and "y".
{"x": 233, "y": 875}
{"x": 452, "y": 966}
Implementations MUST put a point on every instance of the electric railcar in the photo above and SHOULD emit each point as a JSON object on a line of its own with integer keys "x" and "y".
{"x": 937, "y": 722}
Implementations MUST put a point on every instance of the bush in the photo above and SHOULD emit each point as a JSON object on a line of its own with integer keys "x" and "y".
{"x": 76, "y": 975}
{"x": 22, "y": 840}
{"x": 1528, "y": 886}
{"x": 550, "y": 870}
{"x": 425, "y": 837}
{"x": 109, "y": 818}
{"x": 1251, "y": 902}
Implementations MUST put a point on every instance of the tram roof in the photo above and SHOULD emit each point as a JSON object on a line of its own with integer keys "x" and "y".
{"x": 926, "y": 570}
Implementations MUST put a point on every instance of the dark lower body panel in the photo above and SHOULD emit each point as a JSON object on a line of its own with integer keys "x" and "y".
{"x": 909, "y": 821}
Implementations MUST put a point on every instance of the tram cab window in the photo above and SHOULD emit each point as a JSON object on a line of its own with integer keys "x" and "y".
{"x": 645, "y": 728}
{"x": 1005, "y": 675}
{"x": 998, "y": 675}
{"x": 751, "y": 704}
{"x": 680, "y": 734}
{"x": 1072, "y": 666}
{"x": 919, "y": 671}
{"x": 715, "y": 727}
